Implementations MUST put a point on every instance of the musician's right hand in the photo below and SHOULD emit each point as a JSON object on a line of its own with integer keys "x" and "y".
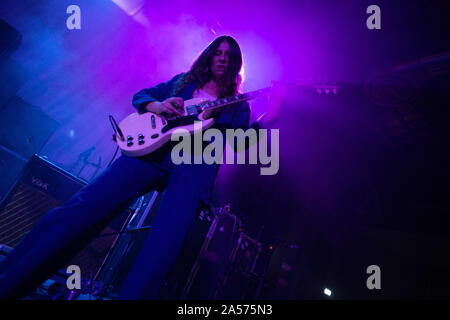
{"x": 170, "y": 106}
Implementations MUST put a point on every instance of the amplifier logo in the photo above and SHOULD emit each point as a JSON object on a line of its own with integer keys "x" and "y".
{"x": 39, "y": 183}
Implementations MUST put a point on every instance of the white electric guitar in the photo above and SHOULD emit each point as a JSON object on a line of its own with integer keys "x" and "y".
{"x": 141, "y": 134}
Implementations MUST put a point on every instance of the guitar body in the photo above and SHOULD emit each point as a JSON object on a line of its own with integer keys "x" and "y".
{"x": 147, "y": 132}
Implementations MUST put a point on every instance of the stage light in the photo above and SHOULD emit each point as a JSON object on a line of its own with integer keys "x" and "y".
{"x": 327, "y": 292}
{"x": 133, "y": 8}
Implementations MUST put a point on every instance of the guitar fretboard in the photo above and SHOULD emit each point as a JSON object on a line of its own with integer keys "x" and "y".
{"x": 219, "y": 103}
{"x": 234, "y": 99}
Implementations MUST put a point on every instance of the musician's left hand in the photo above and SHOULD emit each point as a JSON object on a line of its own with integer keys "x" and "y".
{"x": 275, "y": 101}
{"x": 208, "y": 113}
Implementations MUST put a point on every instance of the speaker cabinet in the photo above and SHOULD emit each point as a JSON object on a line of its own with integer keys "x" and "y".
{"x": 41, "y": 187}
{"x": 24, "y": 129}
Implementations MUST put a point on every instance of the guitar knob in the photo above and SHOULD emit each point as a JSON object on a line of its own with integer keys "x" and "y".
{"x": 140, "y": 136}
{"x": 129, "y": 138}
{"x": 140, "y": 141}
{"x": 129, "y": 143}
{"x": 154, "y": 136}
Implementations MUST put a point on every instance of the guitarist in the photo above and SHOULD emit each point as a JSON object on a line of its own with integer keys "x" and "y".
{"x": 64, "y": 231}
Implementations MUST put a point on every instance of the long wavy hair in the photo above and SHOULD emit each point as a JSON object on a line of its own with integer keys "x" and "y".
{"x": 200, "y": 70}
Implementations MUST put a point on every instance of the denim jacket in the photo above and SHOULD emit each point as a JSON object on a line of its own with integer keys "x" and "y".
{"x": 233, "y": 117}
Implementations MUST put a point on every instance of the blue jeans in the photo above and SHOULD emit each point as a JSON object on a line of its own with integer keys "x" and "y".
{"x": 65, "y": 230}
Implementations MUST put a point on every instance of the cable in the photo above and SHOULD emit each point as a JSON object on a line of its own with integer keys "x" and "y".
{"x": 114, "y": 156}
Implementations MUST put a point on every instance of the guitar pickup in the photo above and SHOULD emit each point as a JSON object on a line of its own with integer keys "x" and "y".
{"x": 153, "y": 120}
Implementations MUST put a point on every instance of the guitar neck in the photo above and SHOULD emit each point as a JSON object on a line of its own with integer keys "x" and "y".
{"x": 223, "y": 102}
{"x": 220, "y": 103}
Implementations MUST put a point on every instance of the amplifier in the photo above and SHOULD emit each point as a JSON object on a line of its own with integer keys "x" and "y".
{"x": 240, "y": 281}
{"x": 214, "y": 256}
{"x": 24, "y": 128}
{"x": 41, "y": 186}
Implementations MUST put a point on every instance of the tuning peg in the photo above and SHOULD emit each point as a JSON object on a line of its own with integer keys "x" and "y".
{"x": 319, "y": 90}
{"x": 327, "y": 91}
{"x": 335, "y": 90}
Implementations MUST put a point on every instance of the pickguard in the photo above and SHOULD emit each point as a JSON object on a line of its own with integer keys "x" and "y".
{"x": 179, "y": 122}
